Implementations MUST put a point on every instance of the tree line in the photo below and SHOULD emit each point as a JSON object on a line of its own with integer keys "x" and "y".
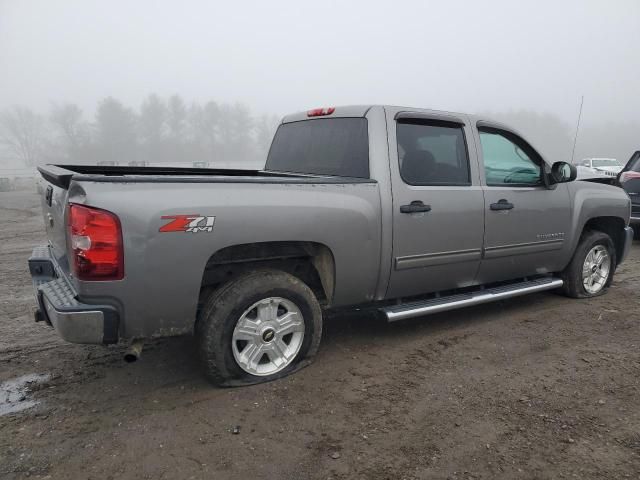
{"x": 160, "y": 130}
{"x": 168, "y": 130}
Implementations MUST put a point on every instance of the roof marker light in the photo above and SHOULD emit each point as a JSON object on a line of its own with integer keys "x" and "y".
{"x": 321, "y": 112}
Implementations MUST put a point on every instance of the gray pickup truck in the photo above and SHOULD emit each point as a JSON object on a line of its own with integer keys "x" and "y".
{"x": 402, "y": 211}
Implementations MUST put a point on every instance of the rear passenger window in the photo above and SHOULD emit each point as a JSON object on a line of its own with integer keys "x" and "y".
{"x": 432, "y": 153}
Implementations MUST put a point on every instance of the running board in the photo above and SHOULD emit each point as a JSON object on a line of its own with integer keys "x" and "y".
{"x": 442, "y": 304}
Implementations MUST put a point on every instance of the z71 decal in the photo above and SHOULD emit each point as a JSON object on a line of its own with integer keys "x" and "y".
{"x": 187, "y": 223}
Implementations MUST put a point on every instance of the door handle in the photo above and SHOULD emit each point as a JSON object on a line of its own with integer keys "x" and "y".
{"x": 415, "y": 207}
{"x": 502, "y": 205}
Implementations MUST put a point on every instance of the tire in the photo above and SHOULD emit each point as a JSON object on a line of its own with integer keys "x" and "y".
{"x": 248, "y": 316}
{"x": 574, "y": 281}
{"x": 636, "y": 232}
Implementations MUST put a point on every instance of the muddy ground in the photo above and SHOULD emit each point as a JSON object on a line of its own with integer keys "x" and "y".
{"x": 537, "y": 387}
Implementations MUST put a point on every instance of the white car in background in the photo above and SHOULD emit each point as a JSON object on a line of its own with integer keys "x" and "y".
{"x": 597, "y": 167}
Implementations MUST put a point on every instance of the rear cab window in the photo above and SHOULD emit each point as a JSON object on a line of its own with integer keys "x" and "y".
{"x": 324, "y": 146}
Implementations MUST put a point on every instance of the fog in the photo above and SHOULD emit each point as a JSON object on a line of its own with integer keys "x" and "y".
{"x": 527, "y": 63}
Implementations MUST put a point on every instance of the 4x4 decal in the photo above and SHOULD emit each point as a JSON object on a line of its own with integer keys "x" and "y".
{"x": 188, "y": 223}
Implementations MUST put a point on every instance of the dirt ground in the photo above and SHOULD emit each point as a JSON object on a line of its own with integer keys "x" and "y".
{"x": 538, "y": 387}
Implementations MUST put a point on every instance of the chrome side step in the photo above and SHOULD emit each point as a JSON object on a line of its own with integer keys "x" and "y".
{"x": 442, "y": 304}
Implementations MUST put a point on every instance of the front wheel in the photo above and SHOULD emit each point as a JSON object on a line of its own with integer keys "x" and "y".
{"x": 257, "y": 328}
{"x": 591, "y": 269}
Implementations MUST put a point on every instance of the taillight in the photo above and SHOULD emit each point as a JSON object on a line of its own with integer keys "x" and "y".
{"x": 95, "y": 239}
{"x": 320, "y": 112}
{"x": 628, "y": 175}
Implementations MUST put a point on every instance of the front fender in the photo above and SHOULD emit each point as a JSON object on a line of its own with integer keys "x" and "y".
{"x": 594, "y": 201}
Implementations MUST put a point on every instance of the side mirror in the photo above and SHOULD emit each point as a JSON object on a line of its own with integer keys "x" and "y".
{"x": 562, "y": 172}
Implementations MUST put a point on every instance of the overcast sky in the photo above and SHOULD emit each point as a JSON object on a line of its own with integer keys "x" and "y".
{"x": 280, "y": 56}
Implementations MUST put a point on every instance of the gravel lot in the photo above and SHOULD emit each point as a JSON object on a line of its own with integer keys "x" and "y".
{"x": 537, "y": 387}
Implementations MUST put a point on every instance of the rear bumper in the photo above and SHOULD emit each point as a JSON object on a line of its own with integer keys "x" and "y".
{"x": 58, "y": 304}
{"x": 628, "y": 240}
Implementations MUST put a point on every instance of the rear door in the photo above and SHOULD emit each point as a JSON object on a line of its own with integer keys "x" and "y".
{"x": 438, "y": 208}
{"x": 525, "y": 222}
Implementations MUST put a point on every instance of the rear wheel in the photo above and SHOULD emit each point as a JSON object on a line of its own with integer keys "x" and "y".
{"x": 257, "y": 328}
{"x": 591, "y": 269}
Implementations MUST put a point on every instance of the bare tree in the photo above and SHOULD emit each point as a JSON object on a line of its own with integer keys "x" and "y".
{"x": 73, "y": 131}
{"x": 22, "y": 131}
{"x": 116, "y": 132}
{"x": 151, "y": 127}
{"x": 265, "y": 129}
{"x": 242, "y": 124}
{"x": 204, "y": 127}
{"x": 235, "y": 130}
{"x": 176, "y": 116}
{"x": 163, "y": 130}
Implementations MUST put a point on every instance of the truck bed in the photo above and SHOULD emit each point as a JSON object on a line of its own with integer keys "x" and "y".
{"x": 61, "y": 175}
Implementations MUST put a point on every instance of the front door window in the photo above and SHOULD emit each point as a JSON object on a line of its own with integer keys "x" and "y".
{"x": 506, "y": 161}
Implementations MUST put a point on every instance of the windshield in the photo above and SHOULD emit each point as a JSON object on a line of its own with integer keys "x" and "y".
{"x": 605, "y": 162}
{"x": 328, "y": 146}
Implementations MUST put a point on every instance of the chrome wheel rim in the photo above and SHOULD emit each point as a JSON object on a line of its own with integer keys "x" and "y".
{"x": 268, "y": 336}
{"x": 596, "y": 268}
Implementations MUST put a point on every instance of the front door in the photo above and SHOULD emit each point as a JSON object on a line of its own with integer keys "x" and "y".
{"x": 438, "y": 207}
{"x": 526, "y": 222}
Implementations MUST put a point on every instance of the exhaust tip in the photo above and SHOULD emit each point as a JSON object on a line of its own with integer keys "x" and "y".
{"x": 134, "y": 351}
{"x": 130, "y": 357}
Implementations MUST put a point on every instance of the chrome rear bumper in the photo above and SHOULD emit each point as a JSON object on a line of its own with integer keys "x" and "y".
{"x": 58, "y": 304}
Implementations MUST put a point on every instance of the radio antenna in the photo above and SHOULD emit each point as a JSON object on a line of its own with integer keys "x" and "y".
{"x": 575, "y": 139}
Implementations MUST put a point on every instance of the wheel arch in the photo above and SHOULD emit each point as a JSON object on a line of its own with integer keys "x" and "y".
{"x": 311, "y": 262}
{"x": 612, "y": 226}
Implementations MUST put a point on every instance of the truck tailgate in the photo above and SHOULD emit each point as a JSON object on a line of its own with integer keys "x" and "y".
{"x": 54, "y": 199}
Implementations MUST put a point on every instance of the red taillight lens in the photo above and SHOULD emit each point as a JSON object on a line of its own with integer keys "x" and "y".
{"x": 95, "y": 240}
{"x": 320, "y": 112}
{"x": 624, "y": 176}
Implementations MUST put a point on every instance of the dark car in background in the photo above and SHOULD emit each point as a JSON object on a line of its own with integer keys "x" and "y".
{"x": 629, "y": 179}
